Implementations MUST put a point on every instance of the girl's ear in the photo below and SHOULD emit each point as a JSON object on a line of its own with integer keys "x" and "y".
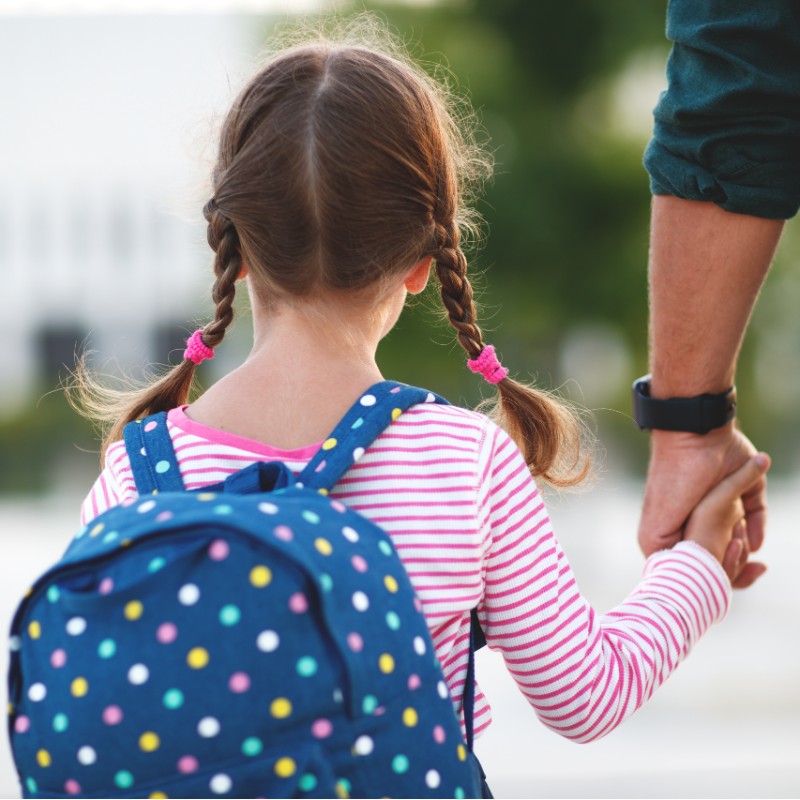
{"x": 242, "y": 272}
{"x": 417, "y": 279}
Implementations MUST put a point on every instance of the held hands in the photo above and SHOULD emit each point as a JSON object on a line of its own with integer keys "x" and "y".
{"x": 683, "y": 469}
{"x": 718, "y": 523}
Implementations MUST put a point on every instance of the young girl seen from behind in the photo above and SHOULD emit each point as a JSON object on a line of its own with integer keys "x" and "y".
{"x": 340, "y": 187}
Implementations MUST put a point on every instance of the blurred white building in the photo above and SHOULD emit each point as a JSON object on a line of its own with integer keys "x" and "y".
{"x": 104, "y": 125}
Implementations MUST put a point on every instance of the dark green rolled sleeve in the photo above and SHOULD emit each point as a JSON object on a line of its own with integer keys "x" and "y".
{"x": 727, "y": 129}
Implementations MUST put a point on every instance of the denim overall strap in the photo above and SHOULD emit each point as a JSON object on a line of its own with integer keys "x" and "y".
{"x": 152, "y": 456}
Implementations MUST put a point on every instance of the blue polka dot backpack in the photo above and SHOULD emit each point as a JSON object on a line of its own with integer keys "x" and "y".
{"x": 253, "y": 639}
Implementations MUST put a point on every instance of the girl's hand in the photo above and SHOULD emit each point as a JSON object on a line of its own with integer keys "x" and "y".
{"x": 718, "y": 522}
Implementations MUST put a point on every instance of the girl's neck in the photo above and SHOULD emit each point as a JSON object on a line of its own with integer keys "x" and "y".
{"x": 307, "y": 366}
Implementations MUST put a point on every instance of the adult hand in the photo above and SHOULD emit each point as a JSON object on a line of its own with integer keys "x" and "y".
{"x": 683, "y": 468}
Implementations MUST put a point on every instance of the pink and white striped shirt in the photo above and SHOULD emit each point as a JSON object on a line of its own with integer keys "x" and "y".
{"x": 455, "y": 495}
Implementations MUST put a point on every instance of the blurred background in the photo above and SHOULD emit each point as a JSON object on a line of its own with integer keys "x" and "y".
{"x": 107, "y": 125}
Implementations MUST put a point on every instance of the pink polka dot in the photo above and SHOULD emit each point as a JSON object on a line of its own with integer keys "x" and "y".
{"x": 298, "y": 603}
{"x": 106, "y": 586}
{"x": 337, "y": 506}
{"x": 187, "y": 764}
{"x": 218, "y": 550}
{"x": 150, "y": 426}
{"x": 58, "y": 658}
{"x": 72, "y": 787}
{"x": 418, "y": 604}
{"x": 112, "y": 715}
{"x": 439, "y": 735}
{"x": 355, "y": 642}
{"x": 395, "y": 390}
{"x": 239, "y": 682}
{"x": 164, "y": 516}
{"x": 284, "y": 533}
{"x": 22, "y": 724}
{"x": 166, "y": 633}
{"x": 359, "y": 564}
{"x": 322, "y": 729}
{"x": 414, "y": 682}
{"x": 379, "y": 711}
{"x": 321, "y": 466}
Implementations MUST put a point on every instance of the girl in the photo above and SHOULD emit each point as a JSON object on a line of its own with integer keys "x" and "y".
{"x": 340, "y": 185}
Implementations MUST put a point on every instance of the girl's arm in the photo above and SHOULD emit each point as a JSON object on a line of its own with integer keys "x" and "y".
{"x": 582, "y": 672}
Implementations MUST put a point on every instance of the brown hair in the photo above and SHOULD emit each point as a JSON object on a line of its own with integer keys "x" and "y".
{"x": 341, "y": 165}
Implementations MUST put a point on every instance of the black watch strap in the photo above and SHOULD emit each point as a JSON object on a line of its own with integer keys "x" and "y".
{"x": 699, "y": 414}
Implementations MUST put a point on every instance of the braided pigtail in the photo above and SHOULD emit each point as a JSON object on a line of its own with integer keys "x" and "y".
{"x": 547, "y": 431}
{"x": 113, "y": 408}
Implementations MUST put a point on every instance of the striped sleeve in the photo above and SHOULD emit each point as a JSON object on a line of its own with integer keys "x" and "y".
{"x": 583, "y": 673}
{"x": 114, "y": 485}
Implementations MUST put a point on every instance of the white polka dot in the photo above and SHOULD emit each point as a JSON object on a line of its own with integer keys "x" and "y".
{"x": 268, "y": 641}
{"x": 357, "y": 453}
{"x": 363, "y": 746}
{"x": 430, "y": 398}
{"x": 188, "y": 594}
{"x": 14, "y": 644}
{"x": 138, "y": 674}
{"x": 208, "y": 727}
{"x": 442, "y": 689}
{"x": 148, "y": 505}
{"x": 350, "y": 534}
{"x": 76, "y": 626}
{"x": 37, "y": 692}
{"x": 338, "y": 697}
{"x": 268, "y": 508}
{"x": 221, "y": 783}
{"x": 87, "y": 755}
{"x": 419, "y": 646}
{"x": 432, "y": 779}
{"x": 368, "y": 400}
{"x": 360, "y": 601}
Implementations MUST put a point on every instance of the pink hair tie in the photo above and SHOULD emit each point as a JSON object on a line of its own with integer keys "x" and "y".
{"x": 488, "y": 365}
{"x": 196, "y": 349}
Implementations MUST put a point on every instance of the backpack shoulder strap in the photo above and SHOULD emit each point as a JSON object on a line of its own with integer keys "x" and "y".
{"x": 369, "y": 416}
{"x": 152, "y": 456}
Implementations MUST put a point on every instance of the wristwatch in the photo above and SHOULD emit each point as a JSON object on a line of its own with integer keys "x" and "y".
{"x": 699, "y": 414}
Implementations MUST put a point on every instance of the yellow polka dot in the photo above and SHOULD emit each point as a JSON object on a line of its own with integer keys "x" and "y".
{"x": 462, "y": 752}
{"x": 34, "y": 629}
{"x": 323, "y": 546}
{"x": 386, "y": 664}
{"x": 149, "y": 742}
{"x": 396, "y": 412}
{"x": 206, "y": 496}
{"x": 390, "y": 583}
{"x": 410, "y": 717}
{"x": 43, "y": 758}
{"x": 260, "y": 576}
{"x": 133, "y": 610}
{"x": 158, "y": 796}
{"x": 10, "y": 708}
{"x": 197, "y": 657}
{"x": 280, "y": 708}
{"x": 125, "y": 543}
{"x": 98, "y": 529}
{"x": 329, "y": 444}
{"x": 29, "y": 592}
{"x": 341, "y": 790}
{"x": 79, "y": 687}
{"x": 323, "y": 492}
{"x": 285, "y": 767}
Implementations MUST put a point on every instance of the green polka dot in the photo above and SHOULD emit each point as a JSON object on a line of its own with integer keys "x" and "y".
{"x": 369, "y": 704}
{"x": 385, "y": 548}
{"x": 326, "y": 582}
{"x": 60, "y": 723}
{"x": 173, "y": 698}
{"x": 107, "y": 648}
{"x": 162, "y": 467}
{"x": 32, "y": 786}
{"x": 223, "y": 509}
{"x": 310, "y": 516}
{"x": 53, "y": 594}
{"x": 230, "y": 614}
{"x": 307, "y": 782}
{"x": 252, "y": 746}
{"x": 156, "y": 564}
{"x": 400, "y": 764}
{"x": 306, "y": 667}
{"x": 393, "y": 620}
{"x": 459, "y": 793}
{"x": 111, "y": 536}
{"x": 123, "y": 779}
{"x": 344, "y": 785}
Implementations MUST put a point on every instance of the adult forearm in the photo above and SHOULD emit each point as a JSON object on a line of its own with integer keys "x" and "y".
{"x": 706, "y": 268}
